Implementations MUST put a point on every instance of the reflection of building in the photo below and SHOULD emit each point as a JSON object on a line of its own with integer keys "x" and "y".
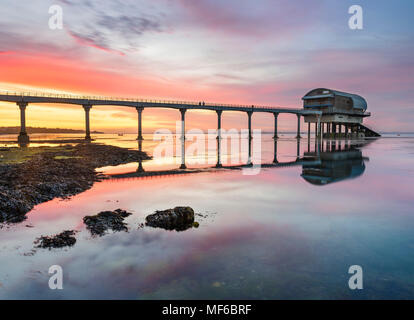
{"x": 334, "y": 166}
{"x": 339, "y": 110}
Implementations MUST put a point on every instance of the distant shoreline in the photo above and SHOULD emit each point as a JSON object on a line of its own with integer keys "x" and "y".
{"x": 32, "y": 130}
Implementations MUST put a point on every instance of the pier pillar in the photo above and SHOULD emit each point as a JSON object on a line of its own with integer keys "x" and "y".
{"x": 319, "y": 126}
{"x": 139, "y": 110}
{"x": 249, "y": 115}
{"x": 219, "y": 112}
{"x": 183, "y": 166}
{"x": 87, "y": 108}
{"x": 23, "y": 137}
{"x": 249, "y": 159}
{"x": 276, "y": 115}
{"x": 298, "y": 133}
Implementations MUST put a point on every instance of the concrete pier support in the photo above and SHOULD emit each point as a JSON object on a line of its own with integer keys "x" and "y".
{"x": 139, "y": 110}
{"x": 276, "y": 115}
{"x": 183, "y": 166}
{"x": 249, "y": 115}
{"x": 319, "y": 126}
{"x": 298, "y": 133}
{"x": 23, "y": 137}
{"x": 219, "y": 113}
{"x": 87, "y": 109}
{"x": 249, "y": 158}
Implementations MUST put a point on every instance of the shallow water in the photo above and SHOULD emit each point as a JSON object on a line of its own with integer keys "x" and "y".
{"x": 281, "y": 232}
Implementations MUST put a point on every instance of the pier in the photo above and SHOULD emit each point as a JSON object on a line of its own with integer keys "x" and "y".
{"x": 23, "y": 101}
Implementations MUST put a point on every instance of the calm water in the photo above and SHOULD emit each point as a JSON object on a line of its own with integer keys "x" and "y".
{"x": 288, "y": 232}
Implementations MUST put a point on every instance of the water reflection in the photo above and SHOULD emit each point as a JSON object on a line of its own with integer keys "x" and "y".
{"x": 267, "y": 236}
{"x": 329, "y": 161}
{"x": 337, "y": 162}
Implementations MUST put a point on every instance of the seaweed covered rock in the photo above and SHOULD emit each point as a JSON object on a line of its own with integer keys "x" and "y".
{"x": 34, "y": 175}
{"x": 106, "y": 220}
{"x": 64, "y": 239}
{"x": 179, "y": 219}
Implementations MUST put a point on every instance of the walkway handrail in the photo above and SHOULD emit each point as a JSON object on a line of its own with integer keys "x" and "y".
{"x": 104, "y": 98}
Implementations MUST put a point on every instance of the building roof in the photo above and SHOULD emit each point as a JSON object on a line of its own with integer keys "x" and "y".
{"x": 358, "y": 101}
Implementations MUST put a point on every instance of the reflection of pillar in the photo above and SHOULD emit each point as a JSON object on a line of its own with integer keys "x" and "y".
{"x": 140, "y": 167}
{"x": 183, "y": 166}
{"x": 87, "y": 108}
{"x": 275, "y": 136}
{"x": 298, "y": 133}
{"x": 219, "y": 112}
{"x": 297, "y": 150}
{"x": 140, "y": 109}
{"x": 275, "y": 152}
{"x": 249, "y": 115}
{"x": 23, "y": 137}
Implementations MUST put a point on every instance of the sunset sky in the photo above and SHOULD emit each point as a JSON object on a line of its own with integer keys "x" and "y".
{"x": 232, "y": 51}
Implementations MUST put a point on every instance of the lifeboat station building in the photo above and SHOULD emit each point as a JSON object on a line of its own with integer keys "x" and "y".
{"x": 342, "y": 114}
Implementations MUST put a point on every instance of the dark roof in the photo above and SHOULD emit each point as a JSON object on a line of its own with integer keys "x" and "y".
{"x": 358, "y": 101}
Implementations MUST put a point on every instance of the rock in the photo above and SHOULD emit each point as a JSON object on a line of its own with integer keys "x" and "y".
{"x": 106, "y": 220}
{"x": 179, "y": 219}
{"x": 64, "y": 239}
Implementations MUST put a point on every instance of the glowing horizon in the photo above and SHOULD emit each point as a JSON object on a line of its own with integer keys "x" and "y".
{"x": 236, "y": 52}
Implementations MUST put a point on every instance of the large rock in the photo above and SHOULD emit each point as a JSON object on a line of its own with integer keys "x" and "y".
{"x": 105, "y": 220}
{"x": 179, "y": 219}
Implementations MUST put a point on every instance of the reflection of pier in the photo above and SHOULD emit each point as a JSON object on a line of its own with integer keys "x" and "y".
{"x": 141, "y": 173}
{"x": 330, "y": 161}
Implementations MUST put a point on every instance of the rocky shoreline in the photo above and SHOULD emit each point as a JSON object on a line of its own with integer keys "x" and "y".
{"x": 55, "y": 172}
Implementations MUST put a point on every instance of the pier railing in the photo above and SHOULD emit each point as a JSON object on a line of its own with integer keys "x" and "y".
{"x": 155, "y": 101}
